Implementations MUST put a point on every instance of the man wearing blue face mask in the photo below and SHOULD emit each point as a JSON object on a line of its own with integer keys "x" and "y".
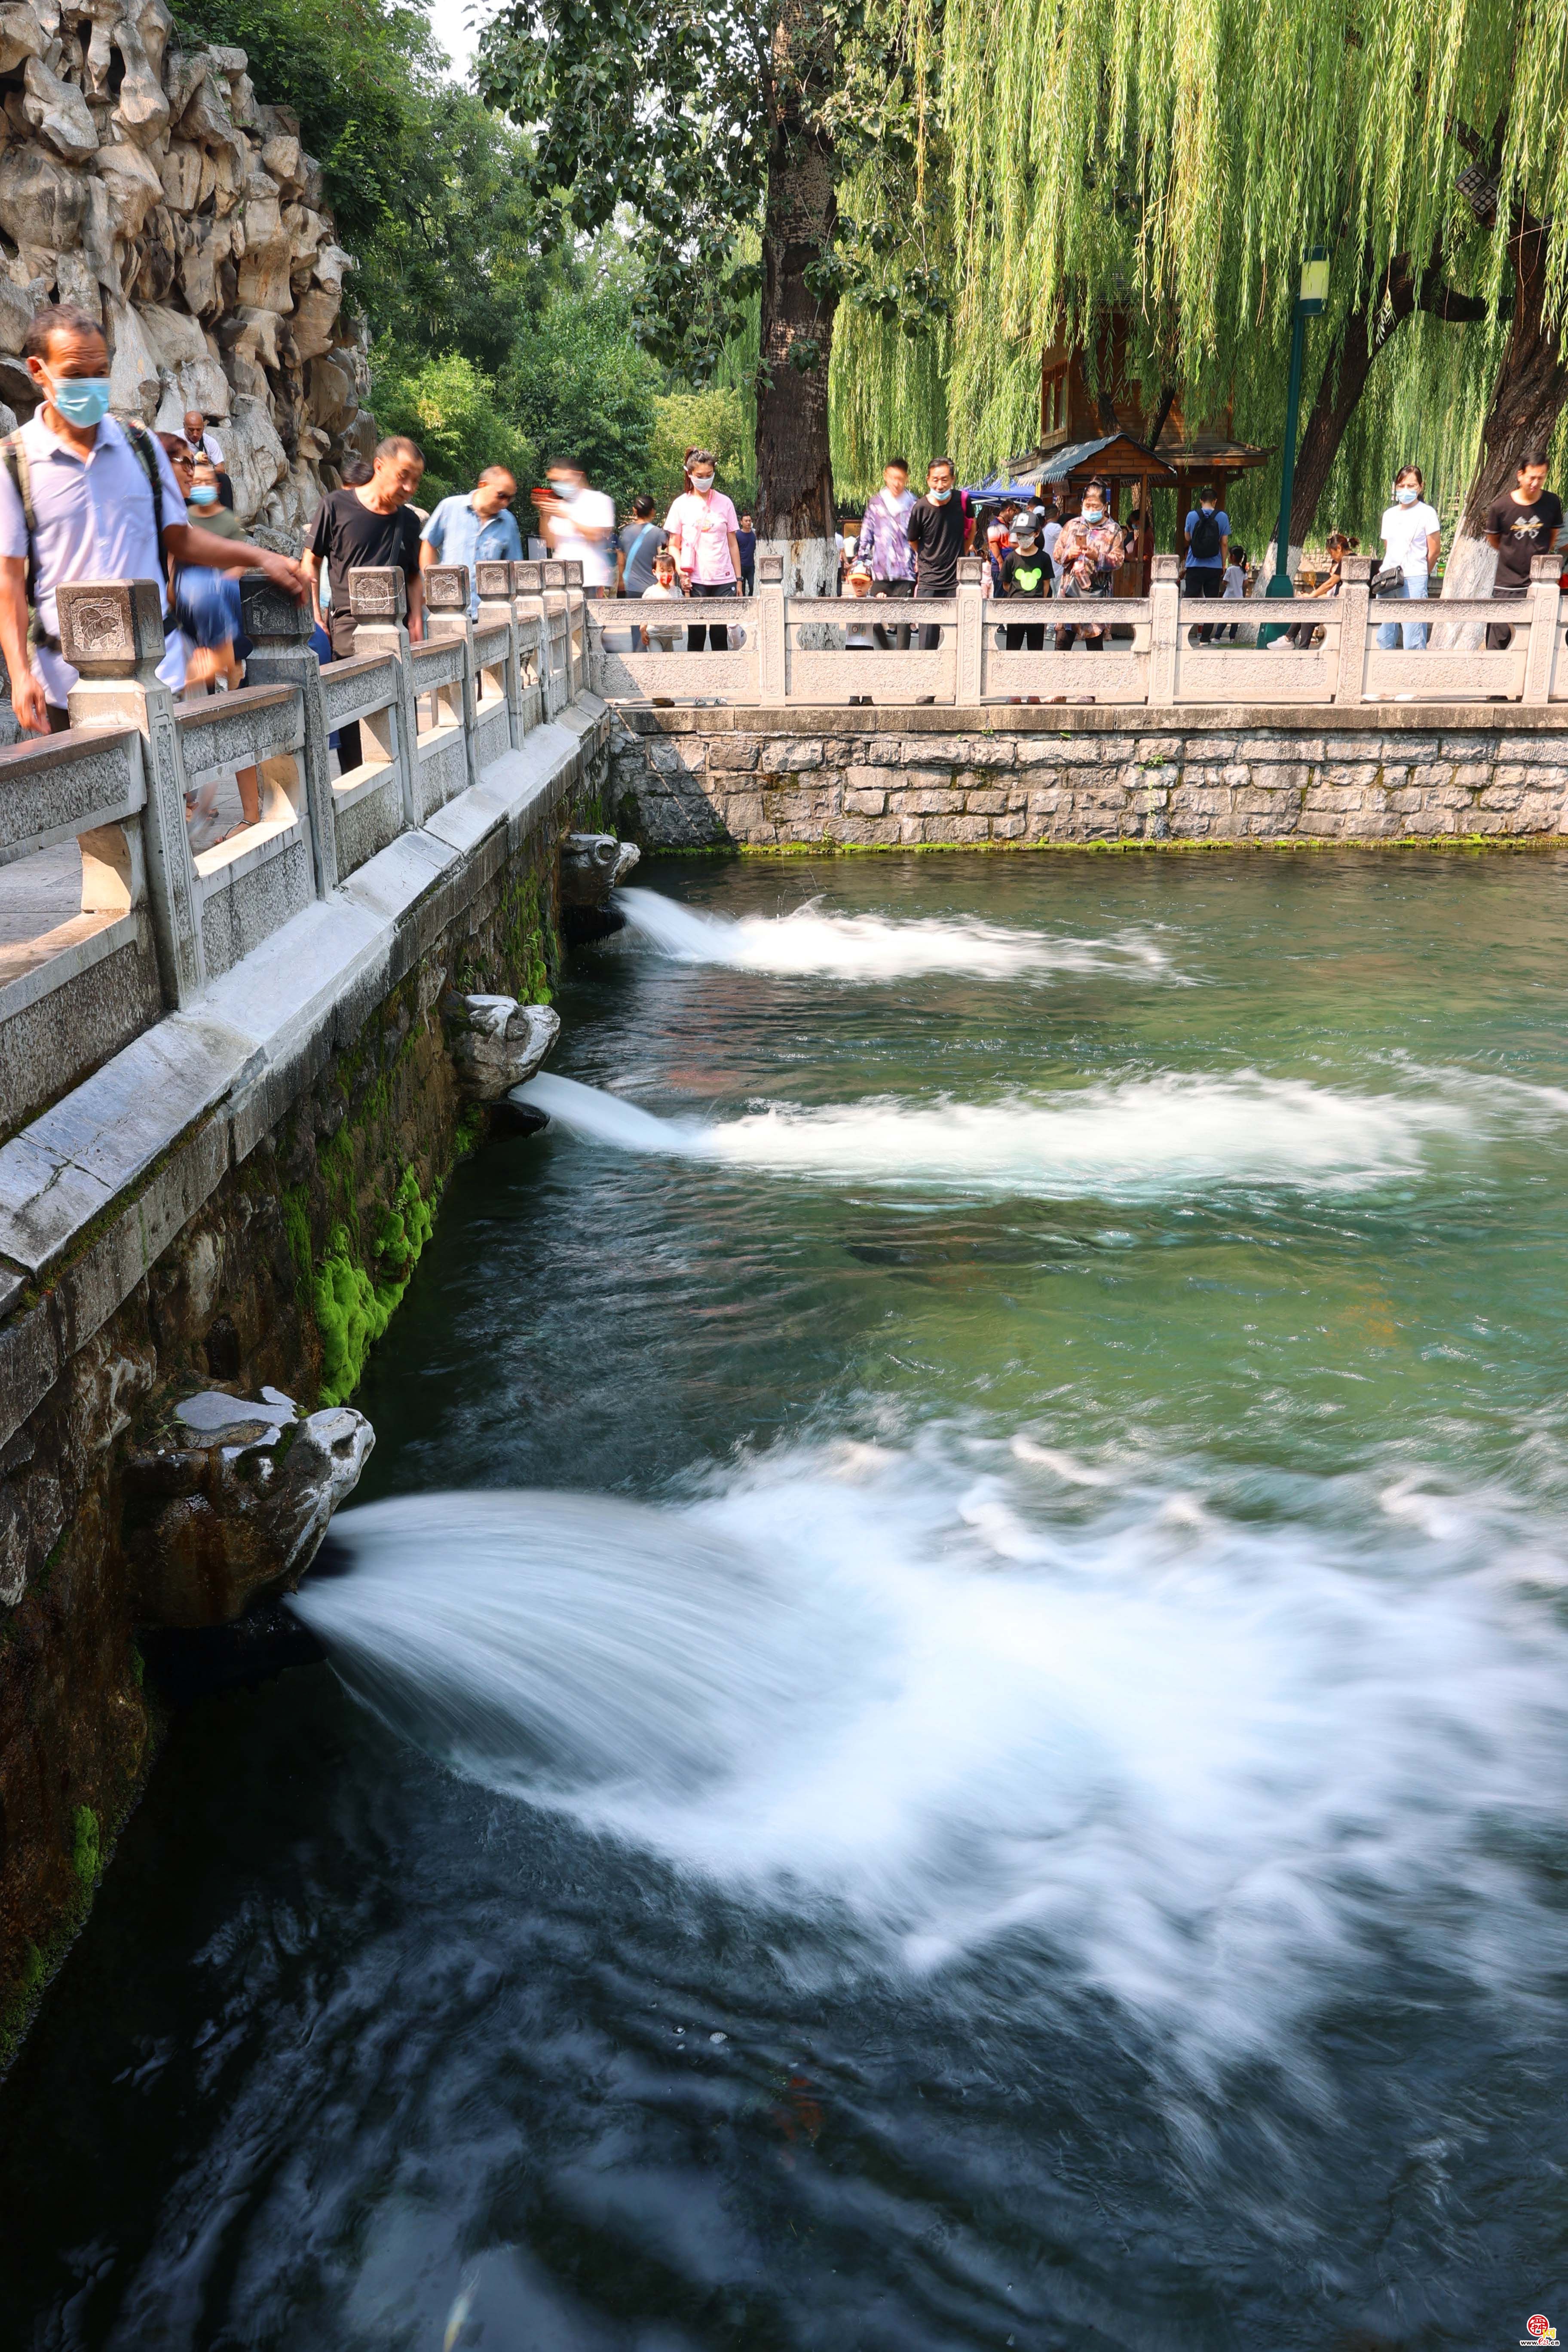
{"x": 84, "y": 498}
{"x": 938, "y": 529}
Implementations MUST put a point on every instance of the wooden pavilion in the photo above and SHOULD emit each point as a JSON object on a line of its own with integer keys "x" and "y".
{"x": 1084, "y": 432}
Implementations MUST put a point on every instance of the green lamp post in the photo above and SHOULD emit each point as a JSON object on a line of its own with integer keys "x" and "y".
{"x": 1313, "y": 298}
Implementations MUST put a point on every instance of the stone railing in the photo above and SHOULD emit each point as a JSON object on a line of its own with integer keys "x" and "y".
{"x": 161, "y": 922}
{"x": 789, "y": 651}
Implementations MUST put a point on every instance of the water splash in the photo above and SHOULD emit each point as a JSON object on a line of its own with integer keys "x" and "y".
{"x": 1219, "y": 1761}
{"x": 1128, "y": 1138}
{"x": 874, "y": 947}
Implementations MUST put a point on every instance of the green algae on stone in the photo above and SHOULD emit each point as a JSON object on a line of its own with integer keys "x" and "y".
{"x": 87, "y": 1846}
{"x": 352, "y": 1310}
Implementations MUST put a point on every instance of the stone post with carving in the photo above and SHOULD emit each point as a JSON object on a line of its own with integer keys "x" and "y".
{"x": 112, "y": 633}
{"x": 493, "y": 581}
{"x": 1545, "y": 606}
{"x": 773, "y": 659}
{"x": 378, "y": 599}
{"x": 529, "y": 604}
{"x": 1164, "y": 627}
{"x": 971, "y": 630}
{"x": 447, "y": 620}
{"x": 281, "y": 655}
{"x": 1351, "y": 608}
{"x": 576, "y": 629}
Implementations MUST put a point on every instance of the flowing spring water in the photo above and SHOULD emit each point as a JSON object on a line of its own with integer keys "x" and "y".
{"x": 944, "y": 1722}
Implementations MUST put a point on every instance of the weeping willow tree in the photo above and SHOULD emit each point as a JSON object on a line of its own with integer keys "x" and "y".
{"x": 1166, "y": 164}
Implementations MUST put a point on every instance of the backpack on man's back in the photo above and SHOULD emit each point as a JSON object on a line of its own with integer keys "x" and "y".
{"x": 1206, "y": 540}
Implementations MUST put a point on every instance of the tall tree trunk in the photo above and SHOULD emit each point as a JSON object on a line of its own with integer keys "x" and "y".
{"x": 1531, "y": 382}
{"x": 1340, "y": 388}
{"x": 794, "y": 462}
{"x": 1531, "y": 387}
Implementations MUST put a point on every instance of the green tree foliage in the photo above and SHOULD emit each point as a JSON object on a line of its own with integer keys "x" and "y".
{"x": 714, "y": 418}
{"x": 457, "y": 265}
{"x": 1172, "y": 159}
{"x": 581, "y": 387}
{"x": 450, "y": 407}
{"x": 727, "y": 126}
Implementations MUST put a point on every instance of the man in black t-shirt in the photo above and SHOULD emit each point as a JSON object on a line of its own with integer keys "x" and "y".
{"x": 938, "y": 529}
{"x": 1525, "y": 523}
{"x": 373, "y": 525}
{"x": 1027, "y": 572}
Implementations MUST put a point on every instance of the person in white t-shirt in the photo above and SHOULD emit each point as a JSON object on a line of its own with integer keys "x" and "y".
{"x": 1412, "y": 536}
{"x": 579, "y": 524}
{"x": 1234, "y": 587}
{"x": 661, "y": 635}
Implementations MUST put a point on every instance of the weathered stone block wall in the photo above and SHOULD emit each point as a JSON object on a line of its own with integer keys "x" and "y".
{"x": 145, "y": 183}
{"x": 1004, "y": 778}
{"x": 285, "y": 1275}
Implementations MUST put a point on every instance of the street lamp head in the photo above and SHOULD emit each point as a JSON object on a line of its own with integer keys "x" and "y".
{"x": 1314, "y": 293}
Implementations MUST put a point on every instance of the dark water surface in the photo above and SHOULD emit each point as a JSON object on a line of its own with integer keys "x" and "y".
{"x": 1118, "y": 1895}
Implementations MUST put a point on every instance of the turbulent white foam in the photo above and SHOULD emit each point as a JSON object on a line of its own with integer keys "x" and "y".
{"x": 1126, "y": 1138}
{"x": 1218, "y": 1766}
{"x": 872, "y": 947}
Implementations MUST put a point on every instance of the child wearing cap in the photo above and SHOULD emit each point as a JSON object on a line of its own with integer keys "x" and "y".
{"x": 1026, "y": 573}
{"x": 858, "y": 636}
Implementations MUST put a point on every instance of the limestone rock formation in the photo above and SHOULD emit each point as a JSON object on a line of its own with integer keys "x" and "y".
{"x": 234, "y": 1496}
{"x": 145, "y": 183}
{"x": 496, "y": 1043}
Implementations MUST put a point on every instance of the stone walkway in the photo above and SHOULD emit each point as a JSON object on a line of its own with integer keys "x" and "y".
{"x": 40, "y": 900}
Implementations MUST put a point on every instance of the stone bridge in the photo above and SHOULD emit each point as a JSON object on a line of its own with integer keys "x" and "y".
{"x": 233, "y": 1081}
{"x": 794, "y": 737}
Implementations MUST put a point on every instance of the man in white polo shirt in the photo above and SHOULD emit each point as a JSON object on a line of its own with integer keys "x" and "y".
{"x": 95, "y": 515}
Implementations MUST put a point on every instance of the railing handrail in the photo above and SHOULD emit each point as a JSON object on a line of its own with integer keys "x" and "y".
{"x": 64, "y": 815}
{"x": 122, "y": 772}
{"x": 192, "y": 715}
{"x": 1168, "y": 652}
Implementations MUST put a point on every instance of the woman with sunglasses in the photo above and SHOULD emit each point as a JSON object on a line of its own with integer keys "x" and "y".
{"x": 475, "y": 528}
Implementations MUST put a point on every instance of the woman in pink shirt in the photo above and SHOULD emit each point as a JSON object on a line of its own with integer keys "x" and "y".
{"x": 702, "y": 525}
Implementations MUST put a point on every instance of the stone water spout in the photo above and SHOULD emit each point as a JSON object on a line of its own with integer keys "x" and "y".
{"x": 592, "y": 863}
{"x": 233, "y": 1495}
{"x": 496, "y": 1043}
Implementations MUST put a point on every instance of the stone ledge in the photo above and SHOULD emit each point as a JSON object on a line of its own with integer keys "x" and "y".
{"x": 1101, "y": 719}
{"x": 97, "y": 1188}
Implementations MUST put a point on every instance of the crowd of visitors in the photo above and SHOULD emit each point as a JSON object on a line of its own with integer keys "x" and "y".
{"x": 85, "y": 497}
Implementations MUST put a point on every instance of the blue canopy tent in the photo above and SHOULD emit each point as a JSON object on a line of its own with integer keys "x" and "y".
{"x": 1000, "y": 486}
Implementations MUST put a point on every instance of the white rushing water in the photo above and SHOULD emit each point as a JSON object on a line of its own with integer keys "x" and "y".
{"x": 874, "y": 947}
{"x": 1213, "y": 1760}
{"x": 1118, "y": 1139}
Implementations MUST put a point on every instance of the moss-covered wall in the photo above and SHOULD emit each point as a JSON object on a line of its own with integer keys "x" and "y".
{"x": 288, "y": 1276}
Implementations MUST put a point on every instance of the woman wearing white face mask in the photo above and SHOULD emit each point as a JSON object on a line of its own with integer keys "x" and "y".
{"x": 1087, "y": 552}
{"x": 703, "y": 527}
{"x": 1411, "y": 538}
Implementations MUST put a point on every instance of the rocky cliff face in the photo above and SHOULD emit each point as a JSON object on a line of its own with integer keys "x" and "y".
{"x": 145, "y": 183}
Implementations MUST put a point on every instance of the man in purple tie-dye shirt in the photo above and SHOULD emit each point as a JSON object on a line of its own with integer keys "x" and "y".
{"x": 884, "y": 544}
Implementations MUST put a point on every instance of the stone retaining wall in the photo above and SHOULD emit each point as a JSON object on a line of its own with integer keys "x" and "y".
{"x": 1027, "y": 778}
{"x": 266, "y": 1242}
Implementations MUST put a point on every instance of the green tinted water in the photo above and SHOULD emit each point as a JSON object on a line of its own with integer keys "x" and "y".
{"x": 1118, "y": 1307}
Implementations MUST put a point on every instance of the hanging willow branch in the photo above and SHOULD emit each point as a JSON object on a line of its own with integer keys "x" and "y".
{"x": 1171, "y": 160}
